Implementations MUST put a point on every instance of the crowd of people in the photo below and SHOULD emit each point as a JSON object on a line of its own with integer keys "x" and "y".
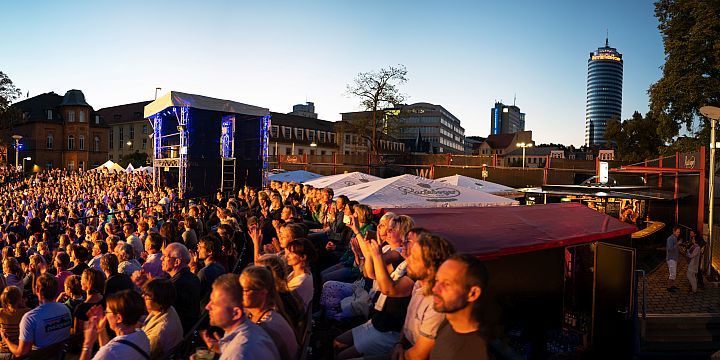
{"x": 111, "y": 268}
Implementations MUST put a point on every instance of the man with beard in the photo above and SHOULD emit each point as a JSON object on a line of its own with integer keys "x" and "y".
{"x": 459, "y": 284}
{"x": 242, "y": 339}
{"x": 422, "y": 321}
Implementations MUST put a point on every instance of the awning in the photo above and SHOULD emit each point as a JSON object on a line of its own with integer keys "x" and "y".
{"x": 501, "y": 231}
{"x": 622, "y": 192}
{"x": 174, "y": 98}
{"x": 341, "y": 180}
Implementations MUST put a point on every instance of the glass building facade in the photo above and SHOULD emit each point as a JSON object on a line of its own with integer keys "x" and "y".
{"x": 604, "y": 92}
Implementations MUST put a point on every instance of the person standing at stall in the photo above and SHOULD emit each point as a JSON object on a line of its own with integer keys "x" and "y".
{"x": 672, "y": 253}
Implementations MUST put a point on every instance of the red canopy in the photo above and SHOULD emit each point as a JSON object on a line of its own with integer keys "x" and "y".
{"x": 498, "y": 231}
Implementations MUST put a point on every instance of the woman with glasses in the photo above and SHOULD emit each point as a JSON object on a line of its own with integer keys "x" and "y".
{"x": 162, "y": 326}
{"x": 123, "y": 312}
{"x": 263, "y": 307}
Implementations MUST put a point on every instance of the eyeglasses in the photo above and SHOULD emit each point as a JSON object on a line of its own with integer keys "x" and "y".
{"x": 249, "y": 289}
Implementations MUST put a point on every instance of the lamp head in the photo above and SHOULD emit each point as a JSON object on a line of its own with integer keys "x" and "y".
{"x": 710, "y": 112}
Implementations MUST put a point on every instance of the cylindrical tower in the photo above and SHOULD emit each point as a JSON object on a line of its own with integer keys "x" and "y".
{"x": 604, "y": 92}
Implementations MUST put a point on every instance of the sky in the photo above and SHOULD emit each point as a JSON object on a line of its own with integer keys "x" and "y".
{"x": 463, "y": 55}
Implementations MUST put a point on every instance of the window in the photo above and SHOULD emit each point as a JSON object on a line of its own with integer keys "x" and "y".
{"x": 301, "y": 151}
{"x": 120, "y": 144}
{"x": 121, "y": 134}
{"x": 311, "y": 135}
{"x": 322, "y": 152}
{"x": 144, "y": 144}
{"x": 299, "y": 134}
{"x": 71, "y": 116}
{"x": 287, "y": 132}
{"x": 144, "y": 130}
{"x": 50, "y": 141}
{"x": 82, "y": 116}
{"x": 312, "y": 152}
{"x": 110, "y": 157}
{"x": 49, "y": 114}
{"x": 275, "y": 131}
{"x": 71, "y": 142}
{"x": 132, "y": 132}
{"x": 112, "y": 138}
{"x": 96, "y": 146}
{"x": 81, "y": 140}
{"x": 71, "y": 165}
{"x": 287, "y": 151}
{"x": 49, "y": 165}
{"x": 97, "y": 119}
{"x": 347, "y": 138}
{"x": 321, "y": 136}
{"x": 81, "y": 165}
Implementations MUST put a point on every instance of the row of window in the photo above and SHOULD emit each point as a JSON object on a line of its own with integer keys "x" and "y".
{"x": 71, "y": 116}
{"x": 50, "y": 142}
{"x": 302, "y": 134}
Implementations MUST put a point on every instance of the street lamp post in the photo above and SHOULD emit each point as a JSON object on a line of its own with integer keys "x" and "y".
{"x": 25, "y": 158}
{"x": 713, "y": 113}
{"x": 524, "y": 146}
{"x": 17, "y": 148}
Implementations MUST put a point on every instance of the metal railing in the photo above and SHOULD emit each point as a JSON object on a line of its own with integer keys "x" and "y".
{"x": 641, "y": 277}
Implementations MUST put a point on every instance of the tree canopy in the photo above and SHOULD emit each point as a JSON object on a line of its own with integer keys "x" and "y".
{"x": 691, "y": 74}
{"x": 377, "y": 90}
{"x": 635, "y": 138}
{"x": 8, "y": 92}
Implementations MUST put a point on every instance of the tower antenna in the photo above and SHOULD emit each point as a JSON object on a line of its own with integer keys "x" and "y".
{"x": 607, "y": 43}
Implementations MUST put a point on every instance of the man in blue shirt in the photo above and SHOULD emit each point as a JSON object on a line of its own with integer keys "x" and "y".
{"x": 672, "y": 253}
{"x": 243, "y": 340}
{"x": 45, "y": 325}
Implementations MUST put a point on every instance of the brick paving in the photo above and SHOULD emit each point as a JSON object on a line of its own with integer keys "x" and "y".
{"x": 660, "y": 301}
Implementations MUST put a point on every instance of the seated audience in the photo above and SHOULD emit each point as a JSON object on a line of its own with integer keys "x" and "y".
{"x": 162, "y": 325}
{"x": 243, "y": 339}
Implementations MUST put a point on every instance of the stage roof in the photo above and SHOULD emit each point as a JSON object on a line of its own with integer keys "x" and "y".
{"x": 501, "y": 231}
{"x": 175, "y": 98}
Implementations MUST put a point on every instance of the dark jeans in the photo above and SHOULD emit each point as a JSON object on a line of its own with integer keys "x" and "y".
{"x": 337, "y": 272}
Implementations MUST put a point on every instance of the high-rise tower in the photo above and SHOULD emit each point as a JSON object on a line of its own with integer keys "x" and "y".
{"x": 604, "y": 92}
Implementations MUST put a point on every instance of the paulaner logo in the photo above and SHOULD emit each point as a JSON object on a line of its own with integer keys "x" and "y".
{"x": 426, "y": 191}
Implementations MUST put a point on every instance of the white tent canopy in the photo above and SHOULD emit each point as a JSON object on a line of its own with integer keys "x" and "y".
{"x": 174, "y": 98}
{"x": 147, "y": 169}
{"x": 476, "y": 184}
{"x": 129, "y": 169}
{"x": 110, "y": 165}
{"x": 297, "y": 176}
{"x": 409, "y": 191}
{"x": 342, "y": 180}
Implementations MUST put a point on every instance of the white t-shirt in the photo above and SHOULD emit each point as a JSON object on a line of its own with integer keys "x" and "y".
{"x": 421, "y": 319}
{"x": 117, "y": 350}
{"x": 46, "y": 324}
{"x": 303, "y": 286}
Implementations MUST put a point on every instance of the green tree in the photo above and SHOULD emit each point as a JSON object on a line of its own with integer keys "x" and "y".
{"x": 137, "y": 158}
{"x": 635, "y": 138}
{"x": 691, "y": 74}
{"x": 8, "y": 92}
{"x": 377, "y": 90}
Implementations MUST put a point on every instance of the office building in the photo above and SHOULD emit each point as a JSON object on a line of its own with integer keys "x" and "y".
{"x": 506, "y": 119}
{"x": 604, "y": 93}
